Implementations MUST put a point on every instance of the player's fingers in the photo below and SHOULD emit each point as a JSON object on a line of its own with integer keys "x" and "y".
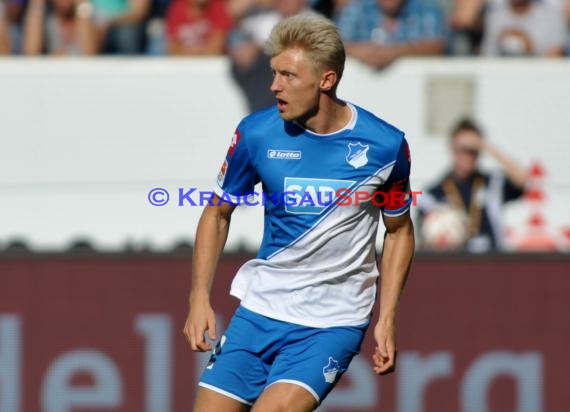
{"x": 377, "y": 360}
{"x": 383, "y": 361}
{"x": 212, "y": 327}
{"x": 204, "y": 346}
{"x": 186, "y": 333}
{"x": 384, "y": 368}
{"x": 379, "y": 370}
{"x": 199, "y": 340}
{"x": 388, "y": 366}
{"x": 382, "y": 349}
{"x": 192, "y": 339}
{"x": 201, "y": 344}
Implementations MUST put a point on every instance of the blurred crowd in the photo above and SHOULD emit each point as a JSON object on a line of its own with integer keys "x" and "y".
{"x": 376, "y": 31}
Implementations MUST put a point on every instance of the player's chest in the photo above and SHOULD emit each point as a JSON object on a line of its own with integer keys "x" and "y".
{"x": 303, "y": 163}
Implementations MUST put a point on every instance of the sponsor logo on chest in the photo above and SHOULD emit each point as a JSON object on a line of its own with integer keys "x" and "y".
{"x": 284, "y": 154}
{"x": 312, "y": 196}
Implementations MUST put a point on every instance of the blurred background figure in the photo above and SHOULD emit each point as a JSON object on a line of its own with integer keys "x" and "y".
{"x": 121, "y": 25}
{"x": 14, "y": 15}
{"x": 328, "y": 8}
{"x": 566, "y": 9}
{"x": 466, "y": 27}
{"x": 197, "y": 27}
{"x": 377, "y": 32}
{"x": 4, "y": 31}
{"x": 250, "y": 66}
{"x": 463, "y": 210}
{"x": 466, "y": 22}
{"x": 525, "y": 28}
{"x": 59, "y": 27}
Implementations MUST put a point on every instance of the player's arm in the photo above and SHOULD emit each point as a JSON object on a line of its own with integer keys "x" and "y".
{"x": 211, "y": 237}
{"x": 237, "y": 175}
{"x": 397, "y": 255}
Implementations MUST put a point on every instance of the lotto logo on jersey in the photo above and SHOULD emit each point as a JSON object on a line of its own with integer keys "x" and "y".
{"x": 312, "y": 196}
{"x": 284, "y": 154}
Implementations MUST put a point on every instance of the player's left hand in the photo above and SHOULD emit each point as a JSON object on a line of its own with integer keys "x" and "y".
{"x": 384, "y": 356}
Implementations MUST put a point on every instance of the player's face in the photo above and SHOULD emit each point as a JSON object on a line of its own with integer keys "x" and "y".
{"x": 295, "y": 85}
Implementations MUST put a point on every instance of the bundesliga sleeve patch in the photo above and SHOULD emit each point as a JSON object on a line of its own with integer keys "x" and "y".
{"x": 234, "y": 142}
{"x": 222, "y": 173}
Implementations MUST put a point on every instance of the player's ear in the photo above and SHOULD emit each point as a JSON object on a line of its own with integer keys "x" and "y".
{"x": 328, "y": 80}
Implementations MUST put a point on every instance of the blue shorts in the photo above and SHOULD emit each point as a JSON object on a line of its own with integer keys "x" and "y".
{"x": 256, "y": 352}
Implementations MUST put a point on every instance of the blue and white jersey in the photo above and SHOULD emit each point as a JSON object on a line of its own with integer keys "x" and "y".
{"x": 317, "y": 262}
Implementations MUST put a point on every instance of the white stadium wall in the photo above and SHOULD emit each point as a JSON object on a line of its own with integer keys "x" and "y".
{"x": 84, "y": 141}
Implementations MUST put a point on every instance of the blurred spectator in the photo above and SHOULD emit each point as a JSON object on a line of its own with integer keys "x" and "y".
{"x": 377, "y": 32}
{"x": 13, "y": 15}
{"x": 466, "y": 21}
{"x": 524, "y": 28}
{"x": 120, "y": 25}
{"x": 197, "y": 27}
{"x": 155, "y": 41}
{"x": 567, "y": 16}
{"x": 66, "y": 29}
{"x": 328, "y": 8}
{"x": 4, "y": 30}
{"x": 250, "y": 65}
{"x": 466, "y": 26}
{"x": 463, "y": 210}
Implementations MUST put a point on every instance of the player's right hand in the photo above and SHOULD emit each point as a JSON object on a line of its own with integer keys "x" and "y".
{"x": 201, "y": 318}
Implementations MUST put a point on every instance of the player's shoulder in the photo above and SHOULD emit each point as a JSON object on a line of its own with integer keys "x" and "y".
{"x": 370, "y": 123}
{"x": 259, "y": 122}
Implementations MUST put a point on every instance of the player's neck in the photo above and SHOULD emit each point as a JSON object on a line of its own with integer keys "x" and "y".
{"x": 332, "y": 115}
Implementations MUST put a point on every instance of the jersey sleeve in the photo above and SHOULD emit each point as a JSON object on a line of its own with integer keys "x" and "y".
{"x": 397, "y": 187}
{"x": 237, "y": 176}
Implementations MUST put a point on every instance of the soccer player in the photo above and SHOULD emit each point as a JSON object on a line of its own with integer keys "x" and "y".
{"x": 306, "y": 300}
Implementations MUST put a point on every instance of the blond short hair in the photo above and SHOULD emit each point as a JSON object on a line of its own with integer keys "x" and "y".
{"x": 315, "y": 34}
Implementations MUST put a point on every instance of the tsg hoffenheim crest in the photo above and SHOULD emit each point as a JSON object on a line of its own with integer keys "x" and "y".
{"x": 356, "y": 156}
{"x": 331, "y": 369}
